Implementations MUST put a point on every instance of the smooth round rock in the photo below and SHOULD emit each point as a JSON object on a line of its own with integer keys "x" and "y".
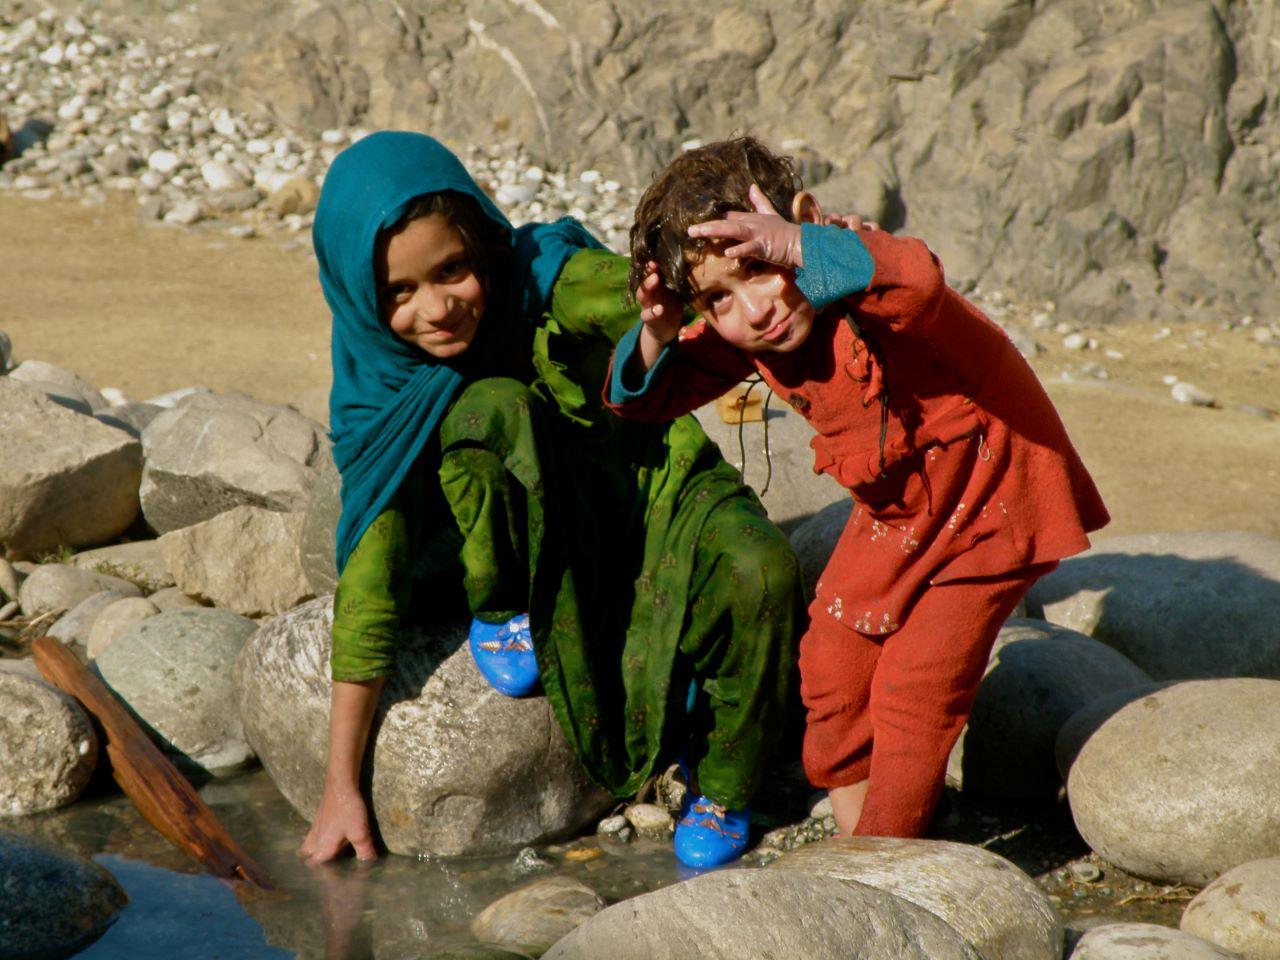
{"x": 457, "y": 768}
{"x": 1180, "y": 785}
{"x": 57, "y": 587}
{"x": 74, "y": 625}
{"x": 52, "y": 903}
{"x": 47, "y": 746}
{"x": 1145, "y": 941}
{"x": 1179, "y": 605}
{"x": 1038, "y": 676}
{"x": 535, "y": 916}
{"x": 997, "y": 908}
{"x": 115, "y": 619}
{"x": 735, "y": 914}
{"x": 1081, "y": 725}
{"x": 1240, "y": 910}
{"x": 175, "y": 671}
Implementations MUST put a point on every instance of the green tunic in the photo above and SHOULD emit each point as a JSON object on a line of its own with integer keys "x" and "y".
{"x": 642, "y": 559}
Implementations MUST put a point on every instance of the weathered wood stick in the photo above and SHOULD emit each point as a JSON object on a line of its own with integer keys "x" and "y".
{"x": 157, "y": 789}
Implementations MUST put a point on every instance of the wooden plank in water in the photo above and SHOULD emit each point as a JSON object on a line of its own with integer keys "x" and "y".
{"x": 161, "y": 794}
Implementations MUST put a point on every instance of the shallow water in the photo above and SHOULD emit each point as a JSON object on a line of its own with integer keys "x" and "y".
{"x": 398, "y": 907}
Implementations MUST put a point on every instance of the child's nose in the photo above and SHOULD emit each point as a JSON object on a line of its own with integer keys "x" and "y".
{"x": 432, "y": 306}
{"x": 756, "y": 306}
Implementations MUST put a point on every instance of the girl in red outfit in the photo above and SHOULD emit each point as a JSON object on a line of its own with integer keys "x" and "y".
{"x": 966, "y": 486}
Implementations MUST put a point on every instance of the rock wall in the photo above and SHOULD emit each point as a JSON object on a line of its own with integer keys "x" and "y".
{"x": 1116, "y": 156}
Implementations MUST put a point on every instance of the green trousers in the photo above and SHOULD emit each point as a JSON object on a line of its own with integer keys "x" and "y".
{"x": 645, "y": 566}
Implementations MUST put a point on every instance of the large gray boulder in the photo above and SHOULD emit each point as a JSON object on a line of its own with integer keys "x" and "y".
{"x": 1179, "y": 605}
{"x": 996, "y": 907}
{"x": 245, "y": 559}
{"x": 815, "y": 539}
{"x": 739, "y": 914}
{"x": 75, "y": 625}
{"x": 317, "y": 544}
{"x": 116, "y": 619}
{"x": 47, "y": 747}
{"x": 457, "y": 768}
{"x": 212, "y": 452}
{"x": 174, "y": 671}
{"x": 38, "y": 373}
{"x": 1085, "y": 722}
{"x": 55, "y": 903}
{"x": 1180, "y": 785}
{"x": 65, "y": 479}
{"x": 58, "y": 587}
{"x": 1240, "y": 910}
{"x": 138, "y": 562}
{"x": 1145, "y": 941}
{"x": 1038, "y": 676}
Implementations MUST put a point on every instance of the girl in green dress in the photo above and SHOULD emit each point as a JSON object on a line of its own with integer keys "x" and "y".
{"x": 469, "y": 360}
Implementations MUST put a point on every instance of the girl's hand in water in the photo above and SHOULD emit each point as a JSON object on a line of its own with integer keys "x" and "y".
{"x": 762, "y": 235}
{"x": 660, "y": 309}
{"x": 341, "y": 820}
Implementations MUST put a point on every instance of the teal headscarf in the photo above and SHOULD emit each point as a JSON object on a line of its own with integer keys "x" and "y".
{"x": 388, "y": 397}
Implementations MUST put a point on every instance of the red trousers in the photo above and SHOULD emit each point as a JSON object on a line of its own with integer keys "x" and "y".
{"x": 889, "y": 708}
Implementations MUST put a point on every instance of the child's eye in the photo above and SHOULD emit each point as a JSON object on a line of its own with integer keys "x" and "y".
{"x": 718, "y": 301}
{"x": 454, "y": 269}
{"x": 397, "y": 294}
{"x": 753, "y": 267}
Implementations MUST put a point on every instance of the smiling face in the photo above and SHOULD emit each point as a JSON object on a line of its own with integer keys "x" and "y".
{"x": 428, "y": 290}
{"x": 754, "y": 305}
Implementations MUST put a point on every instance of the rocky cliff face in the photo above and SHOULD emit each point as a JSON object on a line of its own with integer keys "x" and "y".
{"x": 1116, "y": 156}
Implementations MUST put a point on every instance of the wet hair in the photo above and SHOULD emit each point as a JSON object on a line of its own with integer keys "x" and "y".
{"x": 487, "y": 242}
{"x": 699, "y": 185}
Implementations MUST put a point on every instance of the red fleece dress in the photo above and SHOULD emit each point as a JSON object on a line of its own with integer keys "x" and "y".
{"x": 974, "y": 491}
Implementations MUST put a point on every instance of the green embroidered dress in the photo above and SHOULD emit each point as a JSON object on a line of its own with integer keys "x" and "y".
{"x": 643, "y": 561}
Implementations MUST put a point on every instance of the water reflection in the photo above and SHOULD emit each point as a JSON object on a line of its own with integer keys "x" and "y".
{"x": 397, "y": 908}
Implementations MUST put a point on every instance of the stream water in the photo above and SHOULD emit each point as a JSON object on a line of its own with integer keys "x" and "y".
{"x": 394, "y": 909}
{"x": 403, "y": 908}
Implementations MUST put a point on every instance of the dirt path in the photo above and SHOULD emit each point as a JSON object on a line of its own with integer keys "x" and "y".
{"x": 150, "y": 308}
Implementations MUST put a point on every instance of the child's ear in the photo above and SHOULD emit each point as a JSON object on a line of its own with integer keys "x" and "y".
{"x": 806, "y": 209}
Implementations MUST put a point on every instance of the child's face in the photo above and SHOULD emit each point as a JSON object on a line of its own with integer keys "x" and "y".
{"x": 754, "y": 305}
{"x": 427, "y": 290}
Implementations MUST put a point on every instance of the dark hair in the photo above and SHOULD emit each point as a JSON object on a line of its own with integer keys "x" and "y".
{"x": 699, "y": 185}
{"x": 487, "y": 242}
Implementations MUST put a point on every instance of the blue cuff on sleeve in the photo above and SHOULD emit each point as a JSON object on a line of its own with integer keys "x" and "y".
{"x": 622, "y": 353}
{"x": 836, "y": 264}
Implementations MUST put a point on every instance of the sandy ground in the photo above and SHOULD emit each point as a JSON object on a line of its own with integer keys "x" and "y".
{"x": 150, "y": 308}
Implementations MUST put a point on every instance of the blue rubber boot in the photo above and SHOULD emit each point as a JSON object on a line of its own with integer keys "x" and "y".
{"x": 504, "y": 654}
{"x": 708, "y": 835}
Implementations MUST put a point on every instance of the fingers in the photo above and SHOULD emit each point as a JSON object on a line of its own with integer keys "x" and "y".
{"x": 735, "y": 226}
{"x": 760, "y": 201}
{"x": 365, "y": 850}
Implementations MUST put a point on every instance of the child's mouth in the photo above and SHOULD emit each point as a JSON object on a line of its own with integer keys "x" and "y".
{"x": 777, "y": 331}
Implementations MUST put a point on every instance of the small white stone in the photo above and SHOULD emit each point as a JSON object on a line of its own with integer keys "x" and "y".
{"x": 1263, "y": 335}
{"x": 224, "y": 123}
{"x": 536, "y": 174}
{"x": 1041, "y": 321}
{"x": 221, "y": 177}
{"x": 74, "y": 27}
{"x": 1111, "y": 354}
{"x": 510, "y": 193}
{"x": 1191, "y": 394}
{"x": 1075, "y": 341}
{"x": 589, "y": 176}
{"x": 257, "y": 147}
{"x": 164, "y": 161}
{"x": 333, "y": 137}
{"x": 1169, "y": 379}
{"x": 52, "y": 55}
{"x": 184, "y": 213}
{"x": 691, "y": 144}
{"x": 1161, "y": 333}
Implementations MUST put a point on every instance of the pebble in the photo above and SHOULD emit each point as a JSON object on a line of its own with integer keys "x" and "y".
{"x": 8, "y": 610}
{"x": 8, "y": 580}
{"x": 650, "y": 819}
{"x": 614, "y": 824}
{"x": 529, "y": 861}
{"x": 1189, "y": 393}
{"x": 1075, "y": 341}
{"x": 1085, "y": 872}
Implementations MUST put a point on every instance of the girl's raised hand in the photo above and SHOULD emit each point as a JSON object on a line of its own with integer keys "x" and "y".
{"x": 660, "y": 309}
{"x": 763, "y": 235}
